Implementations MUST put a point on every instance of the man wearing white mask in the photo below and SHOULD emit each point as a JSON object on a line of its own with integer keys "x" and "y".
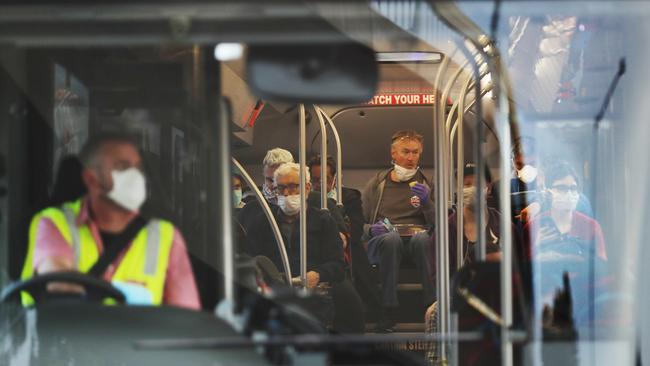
{"x": 103, "y": 233}
{"x": 324, "y": 248}
{"x": 273, "y": 159}
{"x": 399, "y": 198}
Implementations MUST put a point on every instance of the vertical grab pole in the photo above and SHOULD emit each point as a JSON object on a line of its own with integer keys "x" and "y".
{"x": 339, "y": 157}
{"x": 323, "y": 159}
{"x": 225, "y": 196}
{"x": 302, "y": 154}
{"x": 269, "y": 216}
{"x": 442, "y": 246}
{"x": 460, "y": 165}
{"x": 506, "y": 223}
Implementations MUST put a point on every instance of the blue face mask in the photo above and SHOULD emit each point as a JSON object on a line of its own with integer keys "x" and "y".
{"x": 236, "y": 197}
{"x": 332, "y": 194}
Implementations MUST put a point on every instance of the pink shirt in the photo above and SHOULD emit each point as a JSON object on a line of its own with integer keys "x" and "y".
{"x": 180, "y": 287}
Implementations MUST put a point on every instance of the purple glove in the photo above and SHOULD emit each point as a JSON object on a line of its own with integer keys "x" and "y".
{"x": 377, "y": 229}
{"x": 421, "y": 191}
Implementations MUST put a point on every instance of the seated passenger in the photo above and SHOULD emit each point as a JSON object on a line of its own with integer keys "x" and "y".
{"x": 237, "y": 191}
{"x": 399, "y": 197}
{"x": 492, "y": 234}
{"x": 273, "y": 159}
{"x": 324, "y": 248}
{"x": 544, "y": 198}
{"x": 563, "y": 240}
{"x": 104, "y": 235}
{"x": 352, "y": 213}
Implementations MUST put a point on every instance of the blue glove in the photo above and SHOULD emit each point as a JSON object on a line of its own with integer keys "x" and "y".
{"x": 421, "y": 191}
{"x": 378, "y": 229}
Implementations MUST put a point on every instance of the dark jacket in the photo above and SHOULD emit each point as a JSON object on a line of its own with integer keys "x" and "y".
{"x": 324, "y": 247}
{"x": 373, "y": 193}
{"x": 353, "y": 213}
{"x": 493, "y": 243}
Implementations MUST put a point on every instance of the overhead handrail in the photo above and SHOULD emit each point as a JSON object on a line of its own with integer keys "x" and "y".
{"x": 487, "y": 89}
{"x": 323, "y": 159}
{"x": 339, "y": 156}
{"x": 269, "y": 216}
{"x": 302, "y": 155}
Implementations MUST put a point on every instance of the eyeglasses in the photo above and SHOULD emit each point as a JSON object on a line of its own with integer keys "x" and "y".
{"x": 564, "y": 188}
{"x": 291, "y": 187}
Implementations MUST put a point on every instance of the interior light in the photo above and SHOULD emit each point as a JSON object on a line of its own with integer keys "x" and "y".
{"x": 429, "y": 57}
{"x": 228, "y": 51}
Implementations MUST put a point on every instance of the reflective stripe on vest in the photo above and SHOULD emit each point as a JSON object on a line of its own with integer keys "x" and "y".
{"x": 145, "y": 263}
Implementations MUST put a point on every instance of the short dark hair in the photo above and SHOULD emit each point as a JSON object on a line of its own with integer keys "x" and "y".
{"x": 315, "y": 160}
{"x": 470, "y": 169}
{"x": 90, "y": 150}
{"x": 558, "y": 169}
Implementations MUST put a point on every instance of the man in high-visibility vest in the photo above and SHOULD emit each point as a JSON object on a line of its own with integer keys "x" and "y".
{"x": 152, "y": 268}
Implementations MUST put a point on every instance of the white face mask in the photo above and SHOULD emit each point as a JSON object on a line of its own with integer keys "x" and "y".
{"x": 270, "y": 195}
{"x": 129, "y": 188}
{"x": 564, "y": 201}
{"x": 290, "y": 205}
{"x": 332, "y": 194}
{"x": 404, "y": 174}
{"x": 527, "y": 174}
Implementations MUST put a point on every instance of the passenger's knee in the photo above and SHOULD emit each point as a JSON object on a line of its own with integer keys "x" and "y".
{"x": 390, "y": 241}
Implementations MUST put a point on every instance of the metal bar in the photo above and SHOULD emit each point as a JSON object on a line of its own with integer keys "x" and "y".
{"x": 449, "y": 158}
{"x": 302, "y": 154}
{"x": 467, "y": 108}
{"x": 460, "y": 165}
{"x": 506, "y": 234}
{"x": 225, "y": 207}
{"x": 441, "y": 216}
{"x": 339, "y": 157}
{"x": 269, "y": 216}
{"x": 323, "y": 160}
{"x": 455, "y": 105}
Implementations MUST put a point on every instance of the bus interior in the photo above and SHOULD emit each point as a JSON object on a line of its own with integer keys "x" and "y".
{"x": 208, "y": 88}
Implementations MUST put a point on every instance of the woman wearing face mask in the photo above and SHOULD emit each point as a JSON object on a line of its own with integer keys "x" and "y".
{"x": 564, "y": 241}
{"x": 562, "y": 223}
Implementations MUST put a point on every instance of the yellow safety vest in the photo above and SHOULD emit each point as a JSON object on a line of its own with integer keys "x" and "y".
{"x": 145, "y": 263}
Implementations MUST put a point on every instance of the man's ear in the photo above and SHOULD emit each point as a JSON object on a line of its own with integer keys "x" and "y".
{"x": 90, "y": 179}
{"x": 308, "y": 187}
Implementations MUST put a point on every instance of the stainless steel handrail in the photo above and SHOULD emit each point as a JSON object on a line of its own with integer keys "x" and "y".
{"x": 269, "y": 216}
{"x": 302, "y": 155}
{"x": 442, "y": 246}
{"x": 323, "y": 160}
{"x": 339, "y": 156}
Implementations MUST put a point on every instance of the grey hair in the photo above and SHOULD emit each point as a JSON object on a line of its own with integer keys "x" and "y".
{"x": 276, "y": 157}
{"x": 287, "y": 168}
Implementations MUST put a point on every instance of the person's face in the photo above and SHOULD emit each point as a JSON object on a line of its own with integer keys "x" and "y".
{"x": 315, "y": 178}
{"x": 236, "y": 184}
{"x": 469, "y": 181}
{"x": 289, "y": 184}
{"x": 566, "y": 185}
{"x": 112, "y": 156}
{"x": 520, "y": 160}
{"x": 406, "y": 153}
{"x": 268, "y": 176}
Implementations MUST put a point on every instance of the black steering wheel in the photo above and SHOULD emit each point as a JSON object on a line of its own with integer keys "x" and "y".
{"x": 95, "y": 290}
